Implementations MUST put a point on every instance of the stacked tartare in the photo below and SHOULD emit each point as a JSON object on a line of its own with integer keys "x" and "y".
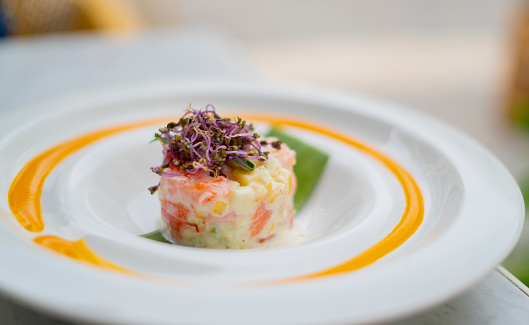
{"x": 222, "y": 186}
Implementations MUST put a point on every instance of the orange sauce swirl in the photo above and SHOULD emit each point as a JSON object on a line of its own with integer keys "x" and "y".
{"x": 409, "y": 223}
{"x": 77, "y": 250}
{"x": 26, "y": 190}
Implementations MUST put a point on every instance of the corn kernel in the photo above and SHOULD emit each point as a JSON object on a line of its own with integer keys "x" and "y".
{"x": 219, "y": 207}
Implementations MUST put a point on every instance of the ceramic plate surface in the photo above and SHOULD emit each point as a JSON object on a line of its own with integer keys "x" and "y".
{"x": 472, "y": 214}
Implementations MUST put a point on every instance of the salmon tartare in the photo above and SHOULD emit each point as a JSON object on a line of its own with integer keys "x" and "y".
{"x": 221, "y": 185}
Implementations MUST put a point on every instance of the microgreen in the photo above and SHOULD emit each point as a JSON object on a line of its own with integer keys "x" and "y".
{"x": 202, "y": 140}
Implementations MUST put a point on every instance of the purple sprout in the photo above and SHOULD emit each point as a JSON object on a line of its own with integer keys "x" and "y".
{"x": 202, "y": 140}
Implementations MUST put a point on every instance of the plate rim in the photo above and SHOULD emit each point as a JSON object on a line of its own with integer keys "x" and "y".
{"x": 293, "y": 92}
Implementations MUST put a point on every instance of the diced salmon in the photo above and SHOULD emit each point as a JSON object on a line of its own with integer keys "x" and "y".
{"x": 209, "y": 189}
{"x": 260, "y": 218}
{"x": 175, "y": 215}
{"x": 291, "y": 215}
{"x": 262, "y": 240}
{"x": 286, "y": 156}
{"x": 199, "y": 187}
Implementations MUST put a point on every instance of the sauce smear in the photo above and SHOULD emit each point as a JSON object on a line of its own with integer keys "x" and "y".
{"x": 26, "y": 190}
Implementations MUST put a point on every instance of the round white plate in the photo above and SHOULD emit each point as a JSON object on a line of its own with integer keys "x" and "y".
{"x": 473, "y": 215}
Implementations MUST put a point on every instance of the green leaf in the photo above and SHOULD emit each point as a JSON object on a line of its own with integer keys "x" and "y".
{"x": 310, "y": 163}
{"x": 245, "y": 164}
{"x": 156, "y": 235}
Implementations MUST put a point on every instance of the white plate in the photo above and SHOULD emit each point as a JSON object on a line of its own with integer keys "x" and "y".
{"x": 473, "y": 215}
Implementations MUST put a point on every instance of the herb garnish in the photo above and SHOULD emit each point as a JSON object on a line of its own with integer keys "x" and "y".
{"x": 202, "y": 140}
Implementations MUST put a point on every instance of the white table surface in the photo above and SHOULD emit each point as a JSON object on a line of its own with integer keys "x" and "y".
{"x": 33, "y": 70}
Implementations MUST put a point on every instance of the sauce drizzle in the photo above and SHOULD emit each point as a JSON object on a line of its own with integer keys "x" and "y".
{"x": 77, "y": 250}
{"x": 409, "y": 223}
{"x": 26, "y": 191}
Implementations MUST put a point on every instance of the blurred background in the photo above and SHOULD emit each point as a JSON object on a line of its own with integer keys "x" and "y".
{"x": 465, "y": 62}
